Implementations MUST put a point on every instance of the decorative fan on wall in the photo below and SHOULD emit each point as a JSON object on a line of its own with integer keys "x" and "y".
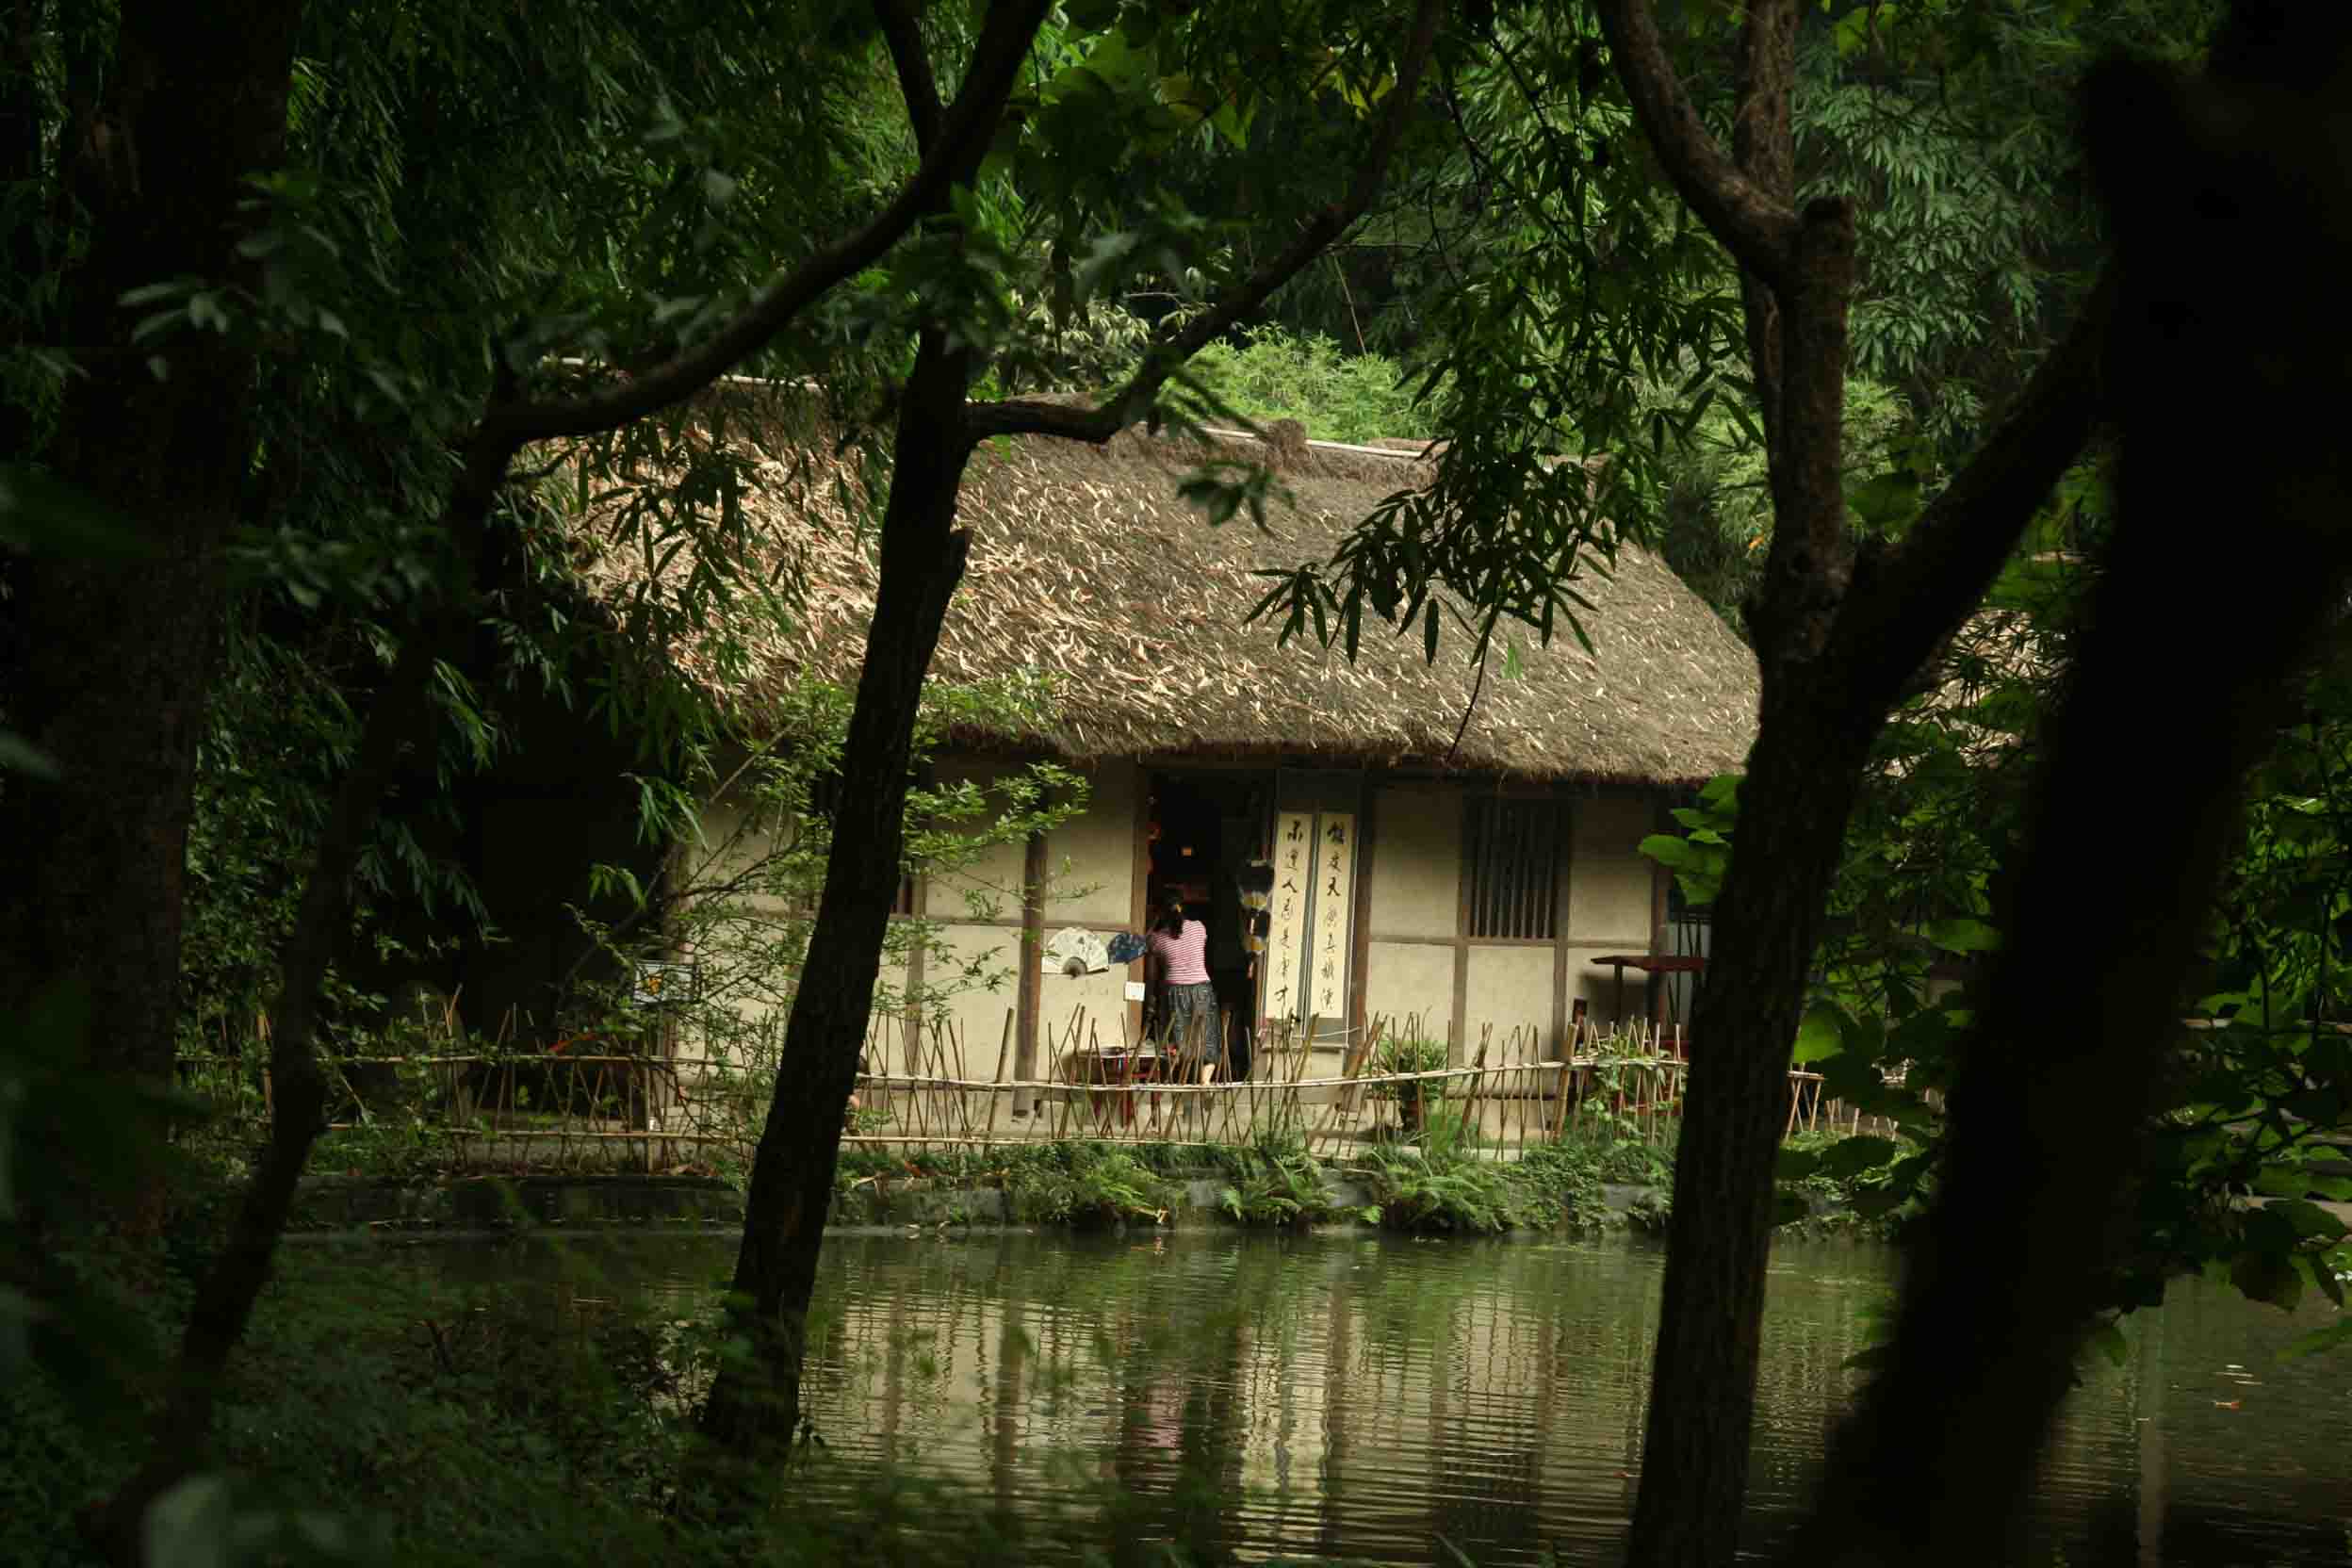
{"x": 1072, "y": 951}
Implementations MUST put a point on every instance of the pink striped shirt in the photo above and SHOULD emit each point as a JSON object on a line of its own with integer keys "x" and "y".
{"x": 1185, "y": 955}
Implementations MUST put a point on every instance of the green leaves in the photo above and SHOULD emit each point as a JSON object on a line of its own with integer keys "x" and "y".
{"x": 2267, "y": 1276}
{"x": 2308, "y": 1220}
{"x": 1222, "y": 490}
{"x": 1962, "y": 936}
{"x": 43, "y": 515}
{"x": 1886, "y": 503}
{"x": 1821, "y": 1037}
{"x": 19, "y": 756}
{"x": 1700, "y": 861}
{"x": 1845, "y": 1160}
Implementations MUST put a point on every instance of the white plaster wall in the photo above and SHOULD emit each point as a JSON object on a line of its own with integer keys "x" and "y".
{"x": 1609, "y": 880}
{"x": 977, "y": 1015}
{"x": 1406, "y": 978}
{"x": 1592, "y": 982}
{"x": 1509, "y": 988}
{"x": 994, "y": 875}
{"x": 729, "y": 846}
{"x": 1092, "y": 857}
{"x": 1416, "y": 860}
{"x": 1061, "y": 996}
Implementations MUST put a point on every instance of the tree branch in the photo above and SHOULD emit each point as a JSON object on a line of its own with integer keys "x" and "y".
{"x": 903, "y": 34}
{"x": 960, "y": 142}
{"x": 1763, "y": 141}
{"x": 1757, "y": 227}
{"x": 1905, "y": 604}
{"x": 1763, "y": 145}
{"x": 1021, "y": 417}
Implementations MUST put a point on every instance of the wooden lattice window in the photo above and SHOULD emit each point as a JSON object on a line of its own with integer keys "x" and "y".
{"x": 1513, "y": 862}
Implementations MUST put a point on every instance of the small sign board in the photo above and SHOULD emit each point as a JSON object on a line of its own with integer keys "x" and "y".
{"x": 655, "y": 984}
{"x": 1135, "y": 991}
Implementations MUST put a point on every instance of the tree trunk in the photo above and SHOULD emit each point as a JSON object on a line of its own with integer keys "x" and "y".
{"x": 114, "y": 658}
{"x": 402, "y": 716}
{"x": 1838, "y": 633}
{"x": 1801, "y": 778}
{"x": 2230, "y": 211}
{"x": 757, "y": 1401}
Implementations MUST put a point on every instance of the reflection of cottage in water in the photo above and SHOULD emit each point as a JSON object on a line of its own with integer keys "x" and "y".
{"x": 1464, "y": 870}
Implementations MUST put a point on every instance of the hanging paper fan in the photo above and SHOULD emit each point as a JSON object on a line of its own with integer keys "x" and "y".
{"x": 1073, "y": 951}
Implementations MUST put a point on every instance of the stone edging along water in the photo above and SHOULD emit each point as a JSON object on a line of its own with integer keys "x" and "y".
{"x": 526, "y": 1201}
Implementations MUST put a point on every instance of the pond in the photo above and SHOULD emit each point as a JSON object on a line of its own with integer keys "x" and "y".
{"x": 1369, "y": 1397}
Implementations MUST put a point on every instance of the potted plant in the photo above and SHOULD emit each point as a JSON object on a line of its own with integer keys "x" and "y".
{"x": 1413, "y": 1097}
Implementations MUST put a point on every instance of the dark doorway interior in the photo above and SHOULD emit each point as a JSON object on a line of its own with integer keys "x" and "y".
{"x": 1205, "y": 826}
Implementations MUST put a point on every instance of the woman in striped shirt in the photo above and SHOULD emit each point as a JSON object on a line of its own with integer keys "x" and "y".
{"x": 1178, "y": 949}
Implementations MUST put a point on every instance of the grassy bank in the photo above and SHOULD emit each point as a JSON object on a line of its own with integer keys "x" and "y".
{"x": 1440, "y": 1186}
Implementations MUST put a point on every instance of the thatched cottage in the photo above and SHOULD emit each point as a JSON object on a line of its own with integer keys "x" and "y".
{"x": 1444, "y": 847}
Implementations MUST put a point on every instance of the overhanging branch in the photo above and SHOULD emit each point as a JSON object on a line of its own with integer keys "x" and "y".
{"x": 1913, "y": 600}
{"x": 903, "y": 33}
{"x": 1759, "y": 230}
{"x": 1025, "y": 417}
{"x": 1005, "y": 40}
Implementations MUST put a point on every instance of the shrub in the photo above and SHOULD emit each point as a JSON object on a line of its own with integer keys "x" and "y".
{"x": 1277, "y": 1182}
{"x": 1277, "y": 374}
{"x": 1403, "y": 1056}
{"x": 1086, "y": 1185}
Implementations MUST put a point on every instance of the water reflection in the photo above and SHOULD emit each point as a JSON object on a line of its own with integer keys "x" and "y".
{"x": 1368, "y": 1398}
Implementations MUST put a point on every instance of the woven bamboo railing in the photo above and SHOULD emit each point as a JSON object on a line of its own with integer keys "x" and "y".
{"x": 666, "y": 1113}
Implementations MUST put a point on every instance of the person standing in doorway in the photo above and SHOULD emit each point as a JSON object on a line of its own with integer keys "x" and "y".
{"x": 1179, "y": 952}
{"x": 1233, "y": 972}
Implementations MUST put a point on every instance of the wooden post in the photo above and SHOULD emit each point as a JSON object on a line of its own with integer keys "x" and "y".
{"x": 1032, "y": 953}
{"x": 1458, "y": 1025}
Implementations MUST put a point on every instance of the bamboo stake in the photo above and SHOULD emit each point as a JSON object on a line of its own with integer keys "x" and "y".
{"x": 1521, "y": 1082}
{"x": 1070, "y": 1045}
{"x": 1470, "y": 1106}
{"x": 1290, "y": 1114}
{"x": 1344, "y": 1101}
{"x": 1225, "y": 1076}
{"x": 955, "y": 1033}
{"x": 1534, "y": 1054}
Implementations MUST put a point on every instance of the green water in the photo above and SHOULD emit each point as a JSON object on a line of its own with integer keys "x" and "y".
{"x": 1368, "y": 1398}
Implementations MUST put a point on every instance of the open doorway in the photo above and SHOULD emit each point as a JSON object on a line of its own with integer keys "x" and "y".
{"x": 1206, "y": 828}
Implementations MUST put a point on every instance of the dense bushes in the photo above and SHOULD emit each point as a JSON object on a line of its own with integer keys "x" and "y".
{"x": 1278, "y": 375}
{"x": 1442, "y": 1182}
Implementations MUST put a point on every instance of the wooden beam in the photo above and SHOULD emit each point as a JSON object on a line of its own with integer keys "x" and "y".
{"x": 1458, "y": 1029}
{"x": 1563, "y": 861}
{"x": 1138, "y": 878}
{"x": 1662, "y": 880}
{"x": 1360, "y": 933}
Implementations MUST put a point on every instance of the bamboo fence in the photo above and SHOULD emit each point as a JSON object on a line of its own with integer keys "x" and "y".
{"x": 1502, "y": 1092}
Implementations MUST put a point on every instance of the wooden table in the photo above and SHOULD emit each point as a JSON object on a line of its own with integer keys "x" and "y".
{"x": 1119, "y": 1068}
{"x": 1656, "y": 966}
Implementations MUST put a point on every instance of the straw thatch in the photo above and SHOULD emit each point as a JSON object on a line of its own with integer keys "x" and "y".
{"x": 1085, "y": 565}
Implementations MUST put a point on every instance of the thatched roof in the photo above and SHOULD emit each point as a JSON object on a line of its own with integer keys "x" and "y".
{"x": 1086, "y": 566}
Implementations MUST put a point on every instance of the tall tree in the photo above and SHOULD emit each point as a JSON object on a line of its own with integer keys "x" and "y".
{"x": 2228, "y": 199}
{"x": 111, "y": 659}
{"x": 400, "y": 717}
{"x": 757, "y": 1398}
{"x": 1838, "y": 630}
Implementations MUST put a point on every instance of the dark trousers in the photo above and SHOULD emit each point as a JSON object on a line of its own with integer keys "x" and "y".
{"x": 1236, "y": 998}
